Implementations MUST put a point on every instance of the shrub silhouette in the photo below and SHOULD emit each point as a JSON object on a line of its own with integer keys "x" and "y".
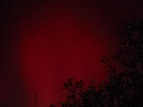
{"x": 123, "y": 86}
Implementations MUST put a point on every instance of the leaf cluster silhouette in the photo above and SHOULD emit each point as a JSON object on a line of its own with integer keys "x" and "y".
{"x": 123, "y": 86}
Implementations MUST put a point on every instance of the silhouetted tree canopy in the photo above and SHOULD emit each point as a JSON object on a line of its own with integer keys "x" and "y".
{"x": 123, "y": 86}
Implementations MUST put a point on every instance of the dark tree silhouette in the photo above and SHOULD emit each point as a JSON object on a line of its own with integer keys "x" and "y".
{"x": 125, "y": 68}
{"x": 123, "y": 86}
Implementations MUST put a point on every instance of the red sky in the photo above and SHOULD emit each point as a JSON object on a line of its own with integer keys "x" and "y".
{"x": 50, "y": 41}
{"x": 59, "y": 43}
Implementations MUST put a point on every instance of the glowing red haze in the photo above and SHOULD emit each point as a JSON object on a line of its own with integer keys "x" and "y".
{"x": 58, "y": 43}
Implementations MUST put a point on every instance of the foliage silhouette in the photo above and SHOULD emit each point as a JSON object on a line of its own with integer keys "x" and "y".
{"x": 123, "y": 86}
{"x": 125, "y": 76}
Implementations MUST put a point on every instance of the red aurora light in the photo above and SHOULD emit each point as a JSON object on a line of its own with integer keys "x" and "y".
{"x": 58, "y": 43}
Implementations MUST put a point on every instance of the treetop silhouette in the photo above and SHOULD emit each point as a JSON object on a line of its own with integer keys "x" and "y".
{"x": 124, "y": 83}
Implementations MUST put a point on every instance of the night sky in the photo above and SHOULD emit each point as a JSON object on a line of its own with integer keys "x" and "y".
{"x": 42, "y": 43}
